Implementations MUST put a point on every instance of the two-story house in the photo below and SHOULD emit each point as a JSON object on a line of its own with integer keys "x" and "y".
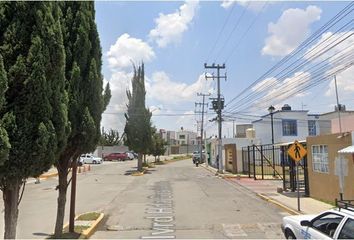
{"x": 185, "y": 137}
{"x": 289, "y": 125}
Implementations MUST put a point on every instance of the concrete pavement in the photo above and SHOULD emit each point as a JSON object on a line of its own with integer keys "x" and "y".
{"x": 267, "y": 190}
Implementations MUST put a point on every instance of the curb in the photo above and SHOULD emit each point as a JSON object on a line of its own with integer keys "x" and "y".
{"x": 88, "y": 232}
{"x": 223, "y": 175}
{"x": 49, "y": 175}
{"x": 268, "y": 199}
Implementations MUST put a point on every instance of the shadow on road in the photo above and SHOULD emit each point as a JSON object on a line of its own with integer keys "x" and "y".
{"x": 133, "y": 172}
{"x": 41, "y": 234}
{"x": 294, "y": 194}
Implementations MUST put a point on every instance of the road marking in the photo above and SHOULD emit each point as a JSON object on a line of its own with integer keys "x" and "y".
{"x": 160, "y": 211}
{"x": 268, "y": 230}
{"x": 233, "y": 230}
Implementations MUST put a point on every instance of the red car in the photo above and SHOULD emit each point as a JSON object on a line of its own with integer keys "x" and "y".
{"x": 116, "y": 156}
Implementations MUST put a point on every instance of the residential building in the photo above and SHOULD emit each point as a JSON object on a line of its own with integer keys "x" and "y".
{"x": 241, "y": 130}
{"x": 334, "y": 114}
{"x": 171, "y": 138}
{"x": 289, "y": 125}
{"x": 347, "y": 119}
{"x": 347, "y": 124}
{"x": 185, "y": 137}
{"x": 231, "y": 153}
{"x": 163, "y": 134}
{"x": 323, "y": 153}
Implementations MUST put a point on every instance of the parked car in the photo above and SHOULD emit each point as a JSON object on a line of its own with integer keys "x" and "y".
{"x": 130, "y": 155}
{"x": 116, "y": 156}
{"x": 332, "y": 224}
{"x": 90, "y": 159}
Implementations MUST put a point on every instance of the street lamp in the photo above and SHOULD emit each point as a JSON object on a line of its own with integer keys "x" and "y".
{"x": 271, "y": 110}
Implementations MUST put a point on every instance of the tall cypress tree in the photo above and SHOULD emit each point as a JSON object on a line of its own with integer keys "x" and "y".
{"x": 4, "y": 139}
{"x": 34, "y": 114}
{"x": 138, "y": 129}
{"x": 85, "y": 91}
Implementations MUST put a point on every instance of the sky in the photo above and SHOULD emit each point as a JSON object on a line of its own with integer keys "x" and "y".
{"x": 175, "y": 38}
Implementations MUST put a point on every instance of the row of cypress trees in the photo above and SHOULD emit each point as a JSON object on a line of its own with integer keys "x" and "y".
{"x": 51, "y": 95}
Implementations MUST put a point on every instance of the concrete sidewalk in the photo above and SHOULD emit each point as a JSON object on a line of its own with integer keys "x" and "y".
{"x": 267, "y": 190}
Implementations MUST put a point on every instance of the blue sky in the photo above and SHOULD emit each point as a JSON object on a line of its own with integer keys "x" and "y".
{"x": 175, "y": 39}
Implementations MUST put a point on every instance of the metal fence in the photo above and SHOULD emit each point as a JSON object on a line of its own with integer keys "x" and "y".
{"x": 272, "y": 162}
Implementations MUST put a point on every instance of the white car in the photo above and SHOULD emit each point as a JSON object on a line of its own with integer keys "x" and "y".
{"x": 90, "y": 159}
{"x": 130, "y": 155}
{"x": 332, "y": 224}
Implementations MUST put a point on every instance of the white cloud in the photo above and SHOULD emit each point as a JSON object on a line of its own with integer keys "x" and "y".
{"x": 329, "y": 39}
{"x": 345, "y": 84}
{"x": 277, "y": 91}
{"x": 255, "y": 6}
{"x": 127, "y": 49}
{"x": 265, "y": 83}
{"x": 228, "y": 3}
{"x": 290, "y": 30}
{"x": 170, "y": 27}
{"x": 188, "y": 122}
{"x": 163, "y": 89}
{"x": 113, "y": 117}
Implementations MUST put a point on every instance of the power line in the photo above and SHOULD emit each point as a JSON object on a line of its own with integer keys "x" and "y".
{"x": 258, "y": 92}
{"x": 338, "y": 17}
{"x": 232, "y": 31}
{"x": 245, "y": 33}
{"x": 221, "y": 30}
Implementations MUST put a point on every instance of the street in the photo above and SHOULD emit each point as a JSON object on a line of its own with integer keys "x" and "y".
{"x": 176, "y": 200}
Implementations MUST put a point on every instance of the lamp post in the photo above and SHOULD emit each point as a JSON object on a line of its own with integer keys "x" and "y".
{"x": 271, "y": 110}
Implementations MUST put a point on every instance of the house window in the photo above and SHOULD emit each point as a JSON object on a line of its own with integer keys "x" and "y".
{"x": 182, "y": 136}
{"x": 312, "y": 127}
{"x": 320, "y": 158}
{"x": 289, "y": 127}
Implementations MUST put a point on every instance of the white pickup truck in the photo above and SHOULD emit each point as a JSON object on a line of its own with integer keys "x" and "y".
{"x": 332, "y": 224}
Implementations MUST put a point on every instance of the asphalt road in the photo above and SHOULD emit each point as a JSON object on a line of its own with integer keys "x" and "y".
{"x": 96, "y": 189}
{"x": 177, "y": 200}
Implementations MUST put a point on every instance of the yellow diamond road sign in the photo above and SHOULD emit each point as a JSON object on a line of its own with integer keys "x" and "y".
{"x": 296, "y": 151}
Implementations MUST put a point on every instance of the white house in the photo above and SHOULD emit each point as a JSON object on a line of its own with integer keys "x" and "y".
{"x": 185, "y": 137}
{"x": 289, "y": 125}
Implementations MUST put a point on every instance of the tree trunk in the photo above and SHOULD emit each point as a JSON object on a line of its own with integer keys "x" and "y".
{"x": 11, "y": 197}
{"x": 63, "y": 183}
{"x": 140, "y": 162}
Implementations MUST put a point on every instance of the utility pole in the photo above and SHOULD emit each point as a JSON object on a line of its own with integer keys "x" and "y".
{"x": 202, "y": 123}
{"x": 220, "y": 106}
{"x": 233, "y": 129}
{"x": 338, "y": 105}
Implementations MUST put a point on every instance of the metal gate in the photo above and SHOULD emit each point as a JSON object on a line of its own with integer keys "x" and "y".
{"x": 272, "y": 162}
{"x": 262, "y": 162}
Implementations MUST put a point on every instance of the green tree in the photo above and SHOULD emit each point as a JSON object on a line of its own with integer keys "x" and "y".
{"x": 35, "y": 110}
{"x": 4, "y": 139}
{"x": 138, "y": 130}
{"x": 87, "y": 100}
{"x": 158, "y": 146}
{"x": 110, "y": 138}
